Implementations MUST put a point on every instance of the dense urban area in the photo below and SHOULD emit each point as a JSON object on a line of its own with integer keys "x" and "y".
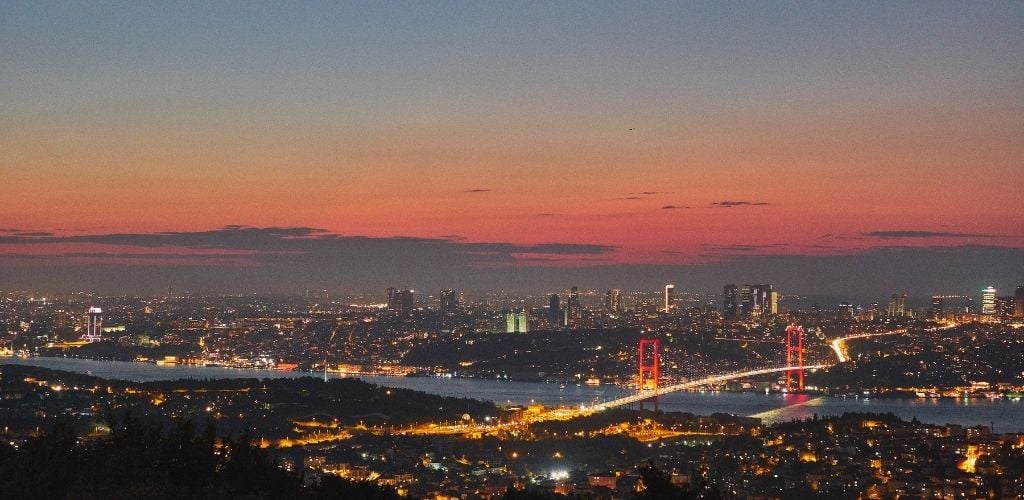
{"x": 324, "y": 434}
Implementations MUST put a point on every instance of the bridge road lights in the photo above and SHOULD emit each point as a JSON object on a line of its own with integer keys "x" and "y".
{"x": 795, "y": 348}
{"x": 648, "y": 376}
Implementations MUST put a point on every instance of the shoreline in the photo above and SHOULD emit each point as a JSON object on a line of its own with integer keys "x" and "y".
{"x": 865, "y": 394}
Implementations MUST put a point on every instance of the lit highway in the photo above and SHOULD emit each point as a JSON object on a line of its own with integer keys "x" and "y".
{"x": 838, "y": 345}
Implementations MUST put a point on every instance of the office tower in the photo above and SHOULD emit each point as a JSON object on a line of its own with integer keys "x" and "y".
{"x": 516, "y": 321}
{"x": 611, "y": 301}
{"x": 670, "y": 299}
{"x": 773, "y": 302}
{"x": 1018, "y": 302}
{"x": 759, "y": 300}
{"x": 394, "y": 300}
{"x": 575, "y": 310}
{"x": 746, "y": 301}
{"x": 846, "y": 310}
{"x": 94, "y": 327}
{"x": 449, "y": 303}
{"x": 408, "y": 301}
{"x": 730, "y": 301}
{"x": 897, "y": 305}
{"x": 938, "y": 306}
{"x": 1004, "y": 307}
{"x": 988, "y": 301}
{"x": 555, "y": 311}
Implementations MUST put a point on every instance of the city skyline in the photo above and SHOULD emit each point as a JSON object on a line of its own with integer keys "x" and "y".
{"x": 256, "y": 147}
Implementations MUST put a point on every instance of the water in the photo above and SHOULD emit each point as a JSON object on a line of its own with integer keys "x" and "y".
{"x": 1006, "y": 415}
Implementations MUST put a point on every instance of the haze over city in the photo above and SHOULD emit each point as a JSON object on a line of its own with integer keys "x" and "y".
{"x": 843, "y": 148}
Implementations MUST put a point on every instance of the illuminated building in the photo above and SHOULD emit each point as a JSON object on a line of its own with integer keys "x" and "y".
{"x": 758, "y": 300}
{"x": 516, "y": 321}
{"x": 670, "y": 300}
{"x": 575, "y": 310}
{"x": 611, "y": 300}
{"x": 762, "y": 301}
{"x": 897, "y": 305}
{"x": 94, "y": 327}
{"x": 730, "y": 307}
{"x": 746, "y": 301}
{"x": 938, "y": 304}
{"x": 988, "y": 301}
{"x": 449, "y": 309}
{"x": 1018, "y": 302}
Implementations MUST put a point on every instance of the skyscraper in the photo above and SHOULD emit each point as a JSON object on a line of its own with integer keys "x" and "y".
{"x": 730, "y": 305}
{"x": 747, "y": 301}
{"x": 449, "y": 303}
{"x": 94, "y": 327}
{"x": 761, "y": 300}
{"x": 670, "y": 299}
{"x": 575, "y": 309}
{"x": 988, "y": 301}
{"x": 400, "y": 301}
{"x": 1018, "y": 302}
{"x": 611, "y": 301}
{"x": 516, "y": 321}
{"x": 555, "y": 311}
{"x": 938, "y": 306}
{"x": 394, "y": 300}
{"x": 897, "y": 305}
{"x": 408, "y": 301}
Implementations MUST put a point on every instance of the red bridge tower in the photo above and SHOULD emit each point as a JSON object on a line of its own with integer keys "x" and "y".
{"x": 648, "y": 361}
{"x": 795, "y": 348}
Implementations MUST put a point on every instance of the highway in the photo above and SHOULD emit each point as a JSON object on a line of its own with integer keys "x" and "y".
{"x": 838, "y": 345}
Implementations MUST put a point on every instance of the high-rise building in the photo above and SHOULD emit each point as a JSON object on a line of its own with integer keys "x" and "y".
{"x": 400, "y": 301}
{"x": 761, "y": 300}
{"x": 408, "y": 300}
{"x": 555, "y": 311}
{"x": 731, "y": 301}
{"x": 938, "y": 306}
{"x": 897, "y": 305}
{"x": 449, "y": 303}
{"x": 94, "y": 327}
{"x": 1018, "y": 302}
{"x": 516, "y": 321}
{"x": 670, "y": 299}
{"x": 988, "y": 301}
{"x": 747, "y": 301}
{"x": 773, "y": 302}
{"x": 575, "y": 309}
{"x": 394, "y": 300}
{"x": 611, "y": 301}
{"x": 1004, "y": 307}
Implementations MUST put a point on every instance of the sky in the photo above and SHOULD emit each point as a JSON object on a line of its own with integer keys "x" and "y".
{"x": 258, "y": 146}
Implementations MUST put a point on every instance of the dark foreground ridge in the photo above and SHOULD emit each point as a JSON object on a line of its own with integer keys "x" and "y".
{"x": 136, "y": 461}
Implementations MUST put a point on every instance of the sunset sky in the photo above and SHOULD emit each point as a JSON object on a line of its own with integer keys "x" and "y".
{"x": 532, "y": 135}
